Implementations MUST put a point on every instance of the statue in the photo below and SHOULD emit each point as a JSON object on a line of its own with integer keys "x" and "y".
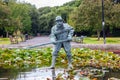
{"x": 61, "y": 31}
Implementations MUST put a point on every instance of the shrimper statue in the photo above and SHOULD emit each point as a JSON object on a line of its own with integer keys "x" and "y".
{"x": 61, "y": 31}
{"x": 61, "y": 35}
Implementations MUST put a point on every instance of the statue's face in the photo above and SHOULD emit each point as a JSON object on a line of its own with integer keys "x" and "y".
{"x": 59, "y": 23}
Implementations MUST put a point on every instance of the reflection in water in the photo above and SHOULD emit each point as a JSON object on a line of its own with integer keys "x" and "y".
{"x": 45, "y": 74}
{"x": 36, "y": 74}
{"x": 53, "y": 74}
{"x": 39, "y": 74}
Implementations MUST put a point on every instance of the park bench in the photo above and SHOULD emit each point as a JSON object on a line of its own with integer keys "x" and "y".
{"x": 13, "y": 40}
{"x": 79, "y": 39}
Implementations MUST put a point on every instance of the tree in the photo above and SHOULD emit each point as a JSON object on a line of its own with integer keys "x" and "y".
{"x": 4, "y": 17}
{"x": 88, "y": 16}
{"x": 64, "y": 12}
{"x": 34, "y": 20}
{"x": 21, "y": 13}
{"x": 46, "y": 19}
{"x": 46, "y": 22}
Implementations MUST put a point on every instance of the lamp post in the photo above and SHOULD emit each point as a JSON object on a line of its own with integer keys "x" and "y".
{"x": 103, "y": 22}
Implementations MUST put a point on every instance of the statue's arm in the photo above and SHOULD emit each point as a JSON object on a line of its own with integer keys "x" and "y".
{"x": 52, "y": 35}
{"x": 70, "y": 34}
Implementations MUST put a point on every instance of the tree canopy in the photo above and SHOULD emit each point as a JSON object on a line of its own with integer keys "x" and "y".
{"x": 83, "y": 15}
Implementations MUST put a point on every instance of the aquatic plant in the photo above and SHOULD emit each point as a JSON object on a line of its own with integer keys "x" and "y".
{"x": 82, "y": 57}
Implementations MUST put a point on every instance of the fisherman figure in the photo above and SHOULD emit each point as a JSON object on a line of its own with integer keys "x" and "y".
{"x": 61, "y": 31}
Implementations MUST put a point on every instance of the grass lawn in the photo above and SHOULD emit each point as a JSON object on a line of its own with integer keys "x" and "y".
{"x": 87, "y": 40}
{"x": 4, "y": 41}
{"x": 109, "y": 40}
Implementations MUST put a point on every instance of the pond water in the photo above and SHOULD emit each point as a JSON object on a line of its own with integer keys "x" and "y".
{"x": 34, "y": 74}
{"x": 46, "y": 74}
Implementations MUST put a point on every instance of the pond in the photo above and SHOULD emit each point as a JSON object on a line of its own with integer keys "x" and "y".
{"x": 87, "y": 64}
{"x": 33, "y": 74}
{"x": 45, "y": 73}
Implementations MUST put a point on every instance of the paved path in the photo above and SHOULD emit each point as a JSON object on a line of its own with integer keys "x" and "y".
{"x": 45, "y": 39}
{"x": 31, "y": 42}
{"x": 36, "y": 40}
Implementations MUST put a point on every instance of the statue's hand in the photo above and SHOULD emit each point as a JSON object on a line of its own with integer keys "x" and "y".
{"x": 54, "y": 42}
{"x": 69, "y": 38}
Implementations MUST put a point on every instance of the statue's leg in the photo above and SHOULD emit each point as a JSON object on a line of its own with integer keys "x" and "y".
{"x": 67, "y": 48}
{"x": 69, "y": 57}
{"x": 53, "y": 59}
{"x": 54, "y": 55}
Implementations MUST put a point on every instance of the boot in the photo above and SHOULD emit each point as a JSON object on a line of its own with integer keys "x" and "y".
{"x": 70, "y": 66}
{"x": 53, "y": 62}
{"x": 69, "y": 63}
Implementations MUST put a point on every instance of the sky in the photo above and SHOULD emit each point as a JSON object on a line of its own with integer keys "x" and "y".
{"x": 43, "y": 3}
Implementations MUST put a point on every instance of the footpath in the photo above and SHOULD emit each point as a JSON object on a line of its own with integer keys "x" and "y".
{"x": 45, "y": 39}
{"x": 32, "y": 42}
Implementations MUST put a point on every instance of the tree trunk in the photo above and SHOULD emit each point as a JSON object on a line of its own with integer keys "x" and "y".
{"x": 107, "y": 31}
{"x": 16, "y": 37}
{"x": 98, "y": 35}
{"x": 7, "y": 35}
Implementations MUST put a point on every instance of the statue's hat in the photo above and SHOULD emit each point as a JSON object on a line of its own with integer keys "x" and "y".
{"x": 58, "y": 18}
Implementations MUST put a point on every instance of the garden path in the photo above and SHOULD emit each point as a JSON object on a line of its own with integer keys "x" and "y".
{"x": 31, "y": 42}
{"x": 44, "y": 39}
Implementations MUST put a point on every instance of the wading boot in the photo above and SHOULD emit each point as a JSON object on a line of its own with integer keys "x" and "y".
{"x": 53, "y": 62}
{"x": 69, "y": 63}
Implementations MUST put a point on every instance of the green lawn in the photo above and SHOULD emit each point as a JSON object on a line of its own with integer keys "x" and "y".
{"x": 7, "y": 40}
{"x": 109, "y": 40}
{"x": 4, "y": 41}
{"x": 87, "y": 40}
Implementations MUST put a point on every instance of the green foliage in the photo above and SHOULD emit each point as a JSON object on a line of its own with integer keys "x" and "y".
{"x": 4, "y": 15}
{"x": 83, "y": 15}
{"x": 75, "y": 3}
{"x": 21, "y": 16}
{"x": 4, "y": 11}
{"x": 34, "y": 13}
{"x": 86, "y": 40}
{"x": 4, "y": 41}
{"x": 87, "y": 17}
{"x": 95, "y": 58}
{"x": 23, "y": 59}
{"x": 44, "y": 10}
{"x": 14, "y": 17}
{"x": 19, "y": 58}
{"x": 48, "y": 14}
{"x": 46, "y": 19}
{"x": 64, "y": 12}
{"x": 109, "y": 40}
